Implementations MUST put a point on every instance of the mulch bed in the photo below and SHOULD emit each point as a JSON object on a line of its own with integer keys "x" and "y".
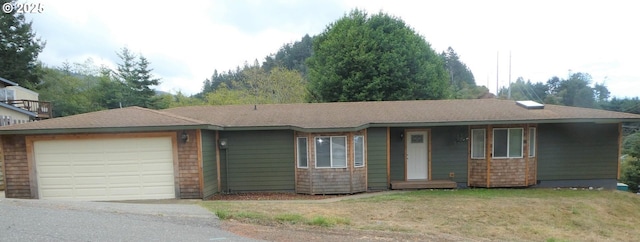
{"x": 270, "y": 196}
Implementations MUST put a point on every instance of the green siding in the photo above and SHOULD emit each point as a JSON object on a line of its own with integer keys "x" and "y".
{"x": 209, "y": 168}
{"x": 377, "y": 158}
{"x": 397, "y": 154}
{"x": 258, "y": 161}
{"x": 447, "y": 154}
{"x": 577, "y": 151}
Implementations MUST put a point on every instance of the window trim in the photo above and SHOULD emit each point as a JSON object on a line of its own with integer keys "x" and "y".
{"x": 355, "y": 150}
{"x": 298, "y": 152}
{"x": 346, "y": 152}
{"x": 530, "y": 144}
{"x": 484, "y": 144}
{"x": 493, "y": 146}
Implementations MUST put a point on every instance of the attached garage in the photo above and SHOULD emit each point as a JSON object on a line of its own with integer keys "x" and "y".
{"x": 120, "y": 154}
{"x": 105, "y": 169}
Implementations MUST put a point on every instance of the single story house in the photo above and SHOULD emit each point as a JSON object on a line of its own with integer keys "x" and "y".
{"x": 312, "y": 148}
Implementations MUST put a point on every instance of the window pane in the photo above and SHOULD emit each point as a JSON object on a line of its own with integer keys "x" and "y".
{"x": 339, "y": 153}
{"x": 515, "y": 142}
{"x": 477, "y": 143}
{"x": 500, "y": 142}
{"x": 323, "y": 152}
{"x": 358, "y": 143}
{"x": 302, "y": 152}
{"x": 532, "y": 142}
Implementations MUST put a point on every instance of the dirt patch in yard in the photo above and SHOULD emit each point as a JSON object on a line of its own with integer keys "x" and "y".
{"x": 287, "y": 233}
{"x": 261, "y": 196}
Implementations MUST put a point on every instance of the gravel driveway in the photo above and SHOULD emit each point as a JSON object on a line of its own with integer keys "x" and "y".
{"x": 42, "y": 220}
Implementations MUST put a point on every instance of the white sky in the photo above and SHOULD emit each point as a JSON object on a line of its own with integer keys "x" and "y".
{"x": 185, "y": 41}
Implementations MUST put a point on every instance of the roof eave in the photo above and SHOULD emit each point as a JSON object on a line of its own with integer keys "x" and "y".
{"x": 107, "y": 130}
{"x": 502, "y": 122}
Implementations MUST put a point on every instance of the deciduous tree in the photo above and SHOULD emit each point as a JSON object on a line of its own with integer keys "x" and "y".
{"x": 378, "y": 57}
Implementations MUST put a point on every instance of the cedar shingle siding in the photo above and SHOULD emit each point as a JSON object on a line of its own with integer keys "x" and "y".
{"x": 17, "y": 171}
{"x": 188, "y": 167}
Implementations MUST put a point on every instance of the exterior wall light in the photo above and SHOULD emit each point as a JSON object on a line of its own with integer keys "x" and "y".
{"x": 222, "y": 143}
{"x": 184, "y": 137}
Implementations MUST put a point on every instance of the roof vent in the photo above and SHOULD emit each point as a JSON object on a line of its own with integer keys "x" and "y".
{"x": 530, "y": 104}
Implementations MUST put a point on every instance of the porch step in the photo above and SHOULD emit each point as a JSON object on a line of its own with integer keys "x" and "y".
{"x": 435, "y": 184}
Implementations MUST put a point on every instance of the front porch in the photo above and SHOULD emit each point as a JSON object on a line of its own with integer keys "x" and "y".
{"x": 423, "y": 184}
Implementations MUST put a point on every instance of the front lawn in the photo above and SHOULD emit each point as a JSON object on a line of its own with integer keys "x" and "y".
{"x": 494, "y": 214}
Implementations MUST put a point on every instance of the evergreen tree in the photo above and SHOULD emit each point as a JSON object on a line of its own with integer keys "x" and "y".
{"x": 137, "y": 80}
{"x": 19, "y": 48}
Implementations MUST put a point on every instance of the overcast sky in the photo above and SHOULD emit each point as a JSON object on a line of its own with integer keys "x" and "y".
{"x": 185, "y": 41}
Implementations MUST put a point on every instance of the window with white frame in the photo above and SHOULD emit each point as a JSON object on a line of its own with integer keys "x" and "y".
{"x": 532, "y": 142}
{"x": 302, "y": 153}
{"x": 331, "y": 152}
{"x": 507, "y": 143}
{"x": 478, "y": 146}
{"x": 358, "y": 152}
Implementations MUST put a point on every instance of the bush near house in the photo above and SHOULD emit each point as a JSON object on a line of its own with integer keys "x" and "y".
{"x": 631, "y": 162}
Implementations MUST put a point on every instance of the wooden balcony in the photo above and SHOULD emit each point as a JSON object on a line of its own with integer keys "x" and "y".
{"x": 43, "y": 110}
{"x": 423, "y": 184}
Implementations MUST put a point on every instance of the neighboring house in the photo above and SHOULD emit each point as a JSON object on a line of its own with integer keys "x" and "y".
{"x": 315, "y": 148}
{"x": 19, "y": 105}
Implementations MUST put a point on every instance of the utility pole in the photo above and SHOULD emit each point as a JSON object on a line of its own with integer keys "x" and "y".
{"x": 497, "y": 71}
{"x": 509, "y": 95}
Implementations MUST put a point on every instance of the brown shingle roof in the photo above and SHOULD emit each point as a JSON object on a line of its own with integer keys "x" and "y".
{"x": 345, "y": 115}
{"x": 114, "y": 118}
{"x": 356, "y": 114}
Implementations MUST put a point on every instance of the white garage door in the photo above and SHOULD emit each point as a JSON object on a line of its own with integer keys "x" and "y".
{"x": 105, "y": 169}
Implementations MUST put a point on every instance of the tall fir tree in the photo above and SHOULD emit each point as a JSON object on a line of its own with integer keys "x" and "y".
{"x": 137, "y": 79}
{"x": 19, "y": 48}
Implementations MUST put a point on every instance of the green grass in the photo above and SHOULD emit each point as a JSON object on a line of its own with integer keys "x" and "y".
{"x": 328, "y": 221}
{"x": 289, "y": 218}
{"x": 292, "y": 218}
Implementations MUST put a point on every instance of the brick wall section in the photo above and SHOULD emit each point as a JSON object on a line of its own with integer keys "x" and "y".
{"x": 508, "y": 173}
{"x": 17, "y": 170}
{"x": 188, "y": 171}
{"x": 478, "y": 173}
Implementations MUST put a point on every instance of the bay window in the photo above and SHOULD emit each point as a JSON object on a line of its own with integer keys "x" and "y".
{"x": 478, "y": 146}
{"x": 302, "y": 152}
{"x": 358, "y": 152}
{"x": 331, "y": 152}
{"x": 507, "y": 143}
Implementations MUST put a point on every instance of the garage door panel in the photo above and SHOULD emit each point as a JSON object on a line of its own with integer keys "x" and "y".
{"x": 123, "y": 168}
{"x": 57, "y": 192}
{"x": 90, "y": 181}
{"x": 156, "y": 167}
{"x": 105, "y": 169}
{"x": 88, "y": 169}
{"x": 53, "y": 181}
{"x": 151, "y": 179}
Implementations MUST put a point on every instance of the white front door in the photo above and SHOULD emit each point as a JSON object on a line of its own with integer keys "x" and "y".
{"x": 417, "y": 155}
